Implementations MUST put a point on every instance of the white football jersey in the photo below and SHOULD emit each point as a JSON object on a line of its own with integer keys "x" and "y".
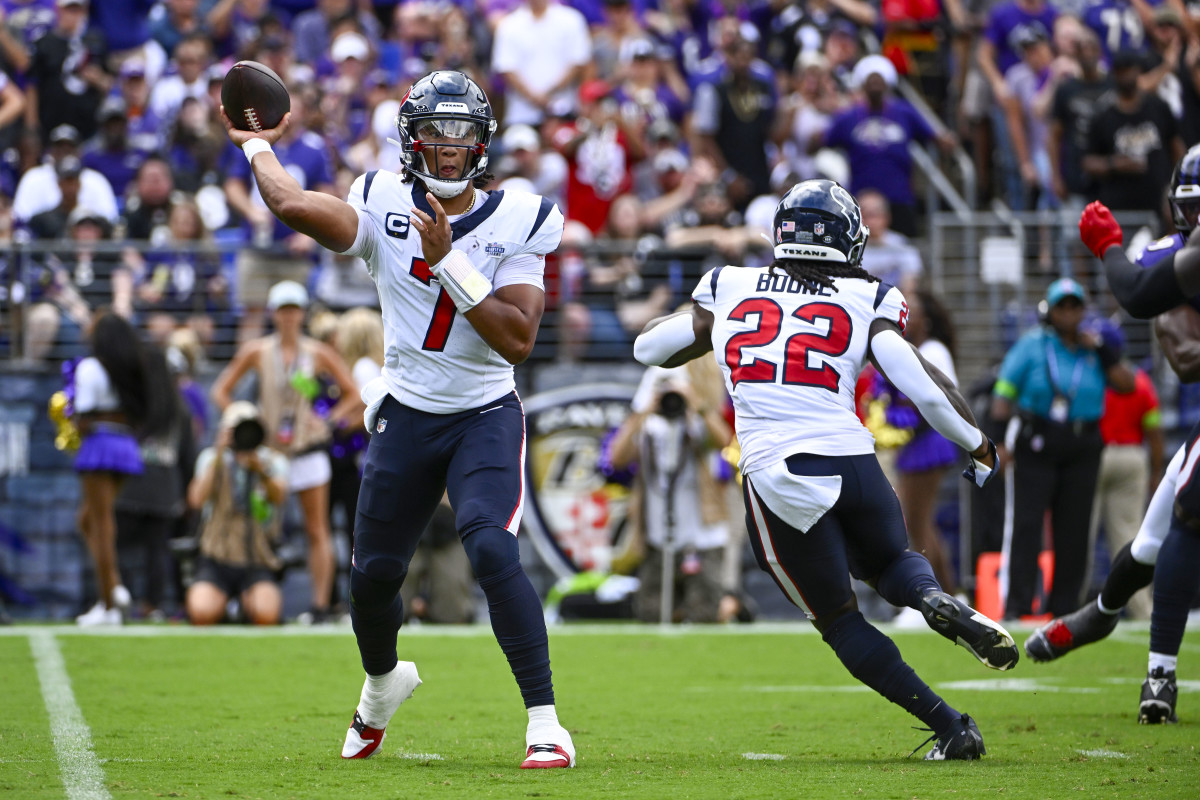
{"x": 434, "y": 360}
{"x": 791, "y": 356}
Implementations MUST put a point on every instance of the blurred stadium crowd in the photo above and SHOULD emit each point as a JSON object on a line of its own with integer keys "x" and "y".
{"x": 665, "y": 131}
{"x": 654, "y": 126}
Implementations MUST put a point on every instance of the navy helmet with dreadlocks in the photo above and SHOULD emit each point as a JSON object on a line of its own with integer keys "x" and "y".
{"x": 818, "y": 220}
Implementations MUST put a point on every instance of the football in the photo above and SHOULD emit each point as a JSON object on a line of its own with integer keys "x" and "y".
{"x": 254, "y": 97}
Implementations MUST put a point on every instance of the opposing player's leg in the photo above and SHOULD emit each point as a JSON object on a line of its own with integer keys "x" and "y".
{"x": 403, "y": 480}
{"x": 812, "y": 569}
{"x": 1132, "y": 569}
{"x": 486, "y": 484}
{"x": 877, "y": 540}
{"x": 1176, "y": 583}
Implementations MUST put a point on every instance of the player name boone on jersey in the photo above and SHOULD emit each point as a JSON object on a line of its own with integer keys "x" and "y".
{"x": 782, "y": 282}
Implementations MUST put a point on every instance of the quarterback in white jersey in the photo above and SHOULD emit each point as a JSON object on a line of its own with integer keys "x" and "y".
{"x": 791, "y": 340}
{"x": 432, "y": 360}
{"x": 459, "y": 273}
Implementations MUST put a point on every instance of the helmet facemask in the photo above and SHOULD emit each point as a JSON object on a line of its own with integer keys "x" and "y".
{"x": 434, "y": 143}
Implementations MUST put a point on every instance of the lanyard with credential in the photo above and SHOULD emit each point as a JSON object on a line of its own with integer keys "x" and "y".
{"x": 1052, "y": 365}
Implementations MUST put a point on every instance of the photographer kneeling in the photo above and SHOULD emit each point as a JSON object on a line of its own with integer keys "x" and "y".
{"x": 673, "y": 434}
{"x": 240, "y": 486}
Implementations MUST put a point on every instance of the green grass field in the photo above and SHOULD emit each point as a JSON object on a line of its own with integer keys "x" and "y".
{"x": 712, "y": 713}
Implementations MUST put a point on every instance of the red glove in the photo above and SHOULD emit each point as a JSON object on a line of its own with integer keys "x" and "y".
{"x": 1098, "y": 230}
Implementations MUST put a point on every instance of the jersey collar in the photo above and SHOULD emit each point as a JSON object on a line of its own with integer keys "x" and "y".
{"x": 470, "y": 222}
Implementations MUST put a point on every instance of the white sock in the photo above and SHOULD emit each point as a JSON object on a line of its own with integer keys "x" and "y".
{"x": 377, "y": 684}
{"x": 541, "y": 718}
{"x": 374, "y": 691}
{"x": 1104, "y": 610}
{"x": 1166, "y": 662}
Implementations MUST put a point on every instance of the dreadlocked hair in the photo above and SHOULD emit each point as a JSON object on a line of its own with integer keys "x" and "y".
{"x": 819, "y": 273}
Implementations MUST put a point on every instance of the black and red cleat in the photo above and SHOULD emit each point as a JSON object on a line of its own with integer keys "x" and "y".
{"x": 1060, "y": 636}
{"x": 362, "y": 741}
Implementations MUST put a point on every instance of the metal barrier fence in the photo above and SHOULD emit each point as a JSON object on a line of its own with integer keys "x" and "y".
{"x": 597, "y": 296}
{"x": 992, "y": 269}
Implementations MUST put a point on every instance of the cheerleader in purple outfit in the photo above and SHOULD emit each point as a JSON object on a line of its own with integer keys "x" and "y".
{"x": 113, "y": 404}
{"x": 922, "y": 463}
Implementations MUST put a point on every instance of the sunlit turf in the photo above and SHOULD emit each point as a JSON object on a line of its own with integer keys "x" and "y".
{"x": 235, "y": 713}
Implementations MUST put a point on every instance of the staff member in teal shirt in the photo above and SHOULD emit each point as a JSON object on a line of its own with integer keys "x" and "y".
{"x": 1051, "y": 392}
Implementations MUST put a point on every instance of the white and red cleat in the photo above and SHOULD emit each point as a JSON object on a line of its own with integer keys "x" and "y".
{"x": 362, "y": 741}
{"x": 375, "y": 710}
{"x": 546, "y": 755}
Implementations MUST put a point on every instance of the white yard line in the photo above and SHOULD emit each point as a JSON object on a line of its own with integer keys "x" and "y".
{"x": 82, "y": 776}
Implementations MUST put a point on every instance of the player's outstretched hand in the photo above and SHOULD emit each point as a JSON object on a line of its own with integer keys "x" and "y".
{"x": 982, "y": 469}
{"x": 1098, "y": 230}
{"x": 240, "y": 137}
{"x": 435, "y": 231}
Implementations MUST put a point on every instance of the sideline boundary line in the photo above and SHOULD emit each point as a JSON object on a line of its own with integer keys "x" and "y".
{"x": 82, "y": 776}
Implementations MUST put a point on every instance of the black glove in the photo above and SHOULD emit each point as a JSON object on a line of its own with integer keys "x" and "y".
{"x": 979, "y": 473}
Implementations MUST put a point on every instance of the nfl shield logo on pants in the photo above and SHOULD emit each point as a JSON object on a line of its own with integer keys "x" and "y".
{"x": 381, "y": 426}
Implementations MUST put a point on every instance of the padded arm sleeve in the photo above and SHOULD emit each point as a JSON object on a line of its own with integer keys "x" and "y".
{"x": 902, "y": 367}
{"x": 655, "y": 346}
{"x": 1144, "y": 293}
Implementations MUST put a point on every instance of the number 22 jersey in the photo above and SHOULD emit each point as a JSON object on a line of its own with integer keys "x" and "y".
{"x": 434, "y": 360}
{"x": 791, "y": 355}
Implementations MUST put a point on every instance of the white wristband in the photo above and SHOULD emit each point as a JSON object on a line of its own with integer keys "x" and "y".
{"x": 466, "y": 285}
{"x": 253, "y": 147}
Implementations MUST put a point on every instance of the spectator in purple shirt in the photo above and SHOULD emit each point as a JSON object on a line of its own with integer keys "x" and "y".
{"x": 311, "y": 29}
{"x": 875, "y": 133}
{"x": 111, "y": 153}
{"x": 142, "y": 124}
{"x": 647, "y": 92}
{"x": 1008, "y": 24}
{"x": 237, "y": 24}
{"x": 126, "y": 23}
{"x": 731, "y": 33}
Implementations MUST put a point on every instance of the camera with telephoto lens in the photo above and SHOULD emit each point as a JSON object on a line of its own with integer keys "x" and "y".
{"x": 672, "y": 405}
{"x": 248, "y": 435}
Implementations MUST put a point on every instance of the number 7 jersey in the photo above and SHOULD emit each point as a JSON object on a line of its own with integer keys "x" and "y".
{"x": 791, "y": 355}
{"x": 434, "y": 360}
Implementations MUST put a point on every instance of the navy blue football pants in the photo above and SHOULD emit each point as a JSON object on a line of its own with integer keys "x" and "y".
{"x": 475, "y": 456}
{"x": 863, "y": 534}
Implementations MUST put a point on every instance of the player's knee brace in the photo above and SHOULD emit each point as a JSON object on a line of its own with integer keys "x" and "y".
{"x": 493, "y": 553}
